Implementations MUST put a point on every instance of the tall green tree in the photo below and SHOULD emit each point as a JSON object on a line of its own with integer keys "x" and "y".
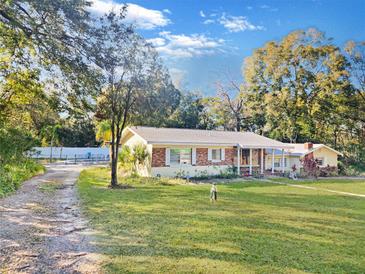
{"x": 354, "y": 142}
{"x": 296, "y": 85}
{"x": 189, "y": 113}
{"x": 156, "y": 109}
{"x": 132, "y": 73}
{"x": 48, "y": 39}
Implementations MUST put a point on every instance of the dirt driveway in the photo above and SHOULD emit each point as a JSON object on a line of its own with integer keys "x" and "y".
{"x": 41, "y": 229}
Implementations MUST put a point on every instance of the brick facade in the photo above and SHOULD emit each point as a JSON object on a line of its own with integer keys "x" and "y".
{"x": 202, "y": 157}
{"x": 158, "y": 157}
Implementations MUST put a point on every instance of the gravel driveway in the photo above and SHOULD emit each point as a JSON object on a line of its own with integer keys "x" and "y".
{"x": 42, "y": 230}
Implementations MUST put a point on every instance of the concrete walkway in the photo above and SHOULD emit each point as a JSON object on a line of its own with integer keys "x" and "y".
{"x": 41, "y": 227}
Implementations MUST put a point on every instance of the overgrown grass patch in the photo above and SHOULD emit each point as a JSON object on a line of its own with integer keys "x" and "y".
{"x": 12, "y": 175}
{"x": 255, "y": 227}
{"x": 50, "y": 186}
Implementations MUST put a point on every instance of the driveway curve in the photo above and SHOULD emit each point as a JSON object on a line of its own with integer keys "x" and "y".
{"x": 42, "y": 229}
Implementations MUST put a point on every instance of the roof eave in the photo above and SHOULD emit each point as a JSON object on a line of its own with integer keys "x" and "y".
{"x": 255, "y": 146}
{"x": 314, "y": 149}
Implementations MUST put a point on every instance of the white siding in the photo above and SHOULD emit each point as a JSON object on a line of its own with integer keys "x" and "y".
{"x": 167, "y": 156}
{"x": 290, "y": 161}
{"x": 187, "y": 170}
{"x": 209, "y": 154}
{"x": 193, "y": 156}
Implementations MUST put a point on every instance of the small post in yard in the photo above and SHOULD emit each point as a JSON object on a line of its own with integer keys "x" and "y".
{"x": 282, "y": 161}
{"x": 66, "y": 159}
{"x": 273, "y": 161}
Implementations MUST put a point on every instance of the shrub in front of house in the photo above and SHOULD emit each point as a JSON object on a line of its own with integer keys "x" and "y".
{"x": 132, "y": 158}
{"x": 328, "y": 171}
{"x": 310, "y": 168}
{"x": 228, "y": 173}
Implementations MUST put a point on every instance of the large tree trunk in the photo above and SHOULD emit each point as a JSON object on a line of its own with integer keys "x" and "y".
{"x": 114, "y": 156}
{"x": 114, "y": 167}
{"x": 116, "y": 137}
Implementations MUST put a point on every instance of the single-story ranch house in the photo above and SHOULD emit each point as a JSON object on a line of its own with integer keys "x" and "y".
{"x": 193, "y": 152}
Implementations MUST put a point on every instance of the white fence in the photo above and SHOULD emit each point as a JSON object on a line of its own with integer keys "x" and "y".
{"x": 71, "y": 154}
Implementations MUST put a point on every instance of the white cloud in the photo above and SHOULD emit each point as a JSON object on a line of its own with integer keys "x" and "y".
{"x": 186, "y": 46}
{"x": 249, "y": 7}
{"x": 237, "y": 23}
{"x": 266, "y": 7}
{"x": 167, "y": 11}
{"x": 202, "y": 14}
{"x": 208, "y": 21}
{"x": 143, "y": 18}
{"x": 156, "y": 42}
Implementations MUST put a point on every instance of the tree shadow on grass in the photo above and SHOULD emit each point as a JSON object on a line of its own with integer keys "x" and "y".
{"x": 268, "y": 230}
{"x": 256, "y": 250}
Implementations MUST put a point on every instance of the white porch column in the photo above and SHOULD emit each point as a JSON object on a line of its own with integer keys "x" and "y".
{"x": 262, "y": 161}
{"x": 238, "y": 160}
{"x": 273, "y": 161}
{"x": 250, "y": 167}
{"x": 282, "y": 160}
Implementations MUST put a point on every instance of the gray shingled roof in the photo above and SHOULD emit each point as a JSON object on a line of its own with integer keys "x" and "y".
{"x": 171, "y": 136}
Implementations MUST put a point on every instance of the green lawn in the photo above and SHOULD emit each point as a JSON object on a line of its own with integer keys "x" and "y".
{"x": 353, "y": 186}
{"x": 255, "y": 227}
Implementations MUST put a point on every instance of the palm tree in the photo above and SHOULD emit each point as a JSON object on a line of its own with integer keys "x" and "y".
{"x": 103, "y": 132}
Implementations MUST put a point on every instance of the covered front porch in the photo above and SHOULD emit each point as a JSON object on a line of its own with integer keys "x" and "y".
{"x": 252, "y": 160}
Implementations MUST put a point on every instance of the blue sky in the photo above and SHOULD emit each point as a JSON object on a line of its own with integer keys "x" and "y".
{"x": 201, "y": 41}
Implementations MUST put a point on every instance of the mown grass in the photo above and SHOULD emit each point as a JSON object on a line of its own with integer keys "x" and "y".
{"x": 13, "y": 174}
{"x": 349, "y": 185}
{"x": 255, "y": 227}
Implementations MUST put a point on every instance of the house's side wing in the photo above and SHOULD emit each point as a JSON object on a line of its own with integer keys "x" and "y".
{"x": 326, "y": 155}
{"x": 131, "y": 139}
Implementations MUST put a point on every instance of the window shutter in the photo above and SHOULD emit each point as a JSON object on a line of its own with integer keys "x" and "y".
{"x": 167, "y": 156}
{"x": 209, "y": 154}
{"x": 193, "y": 156}
{"x": 222, "y": 154}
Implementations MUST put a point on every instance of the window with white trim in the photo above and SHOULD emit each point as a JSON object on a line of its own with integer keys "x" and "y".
{"x": 180, "y": 156}
{"x": 216, "y": 154}
{"x": 320, "y": 161}
{"x": 278, "y": 162}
